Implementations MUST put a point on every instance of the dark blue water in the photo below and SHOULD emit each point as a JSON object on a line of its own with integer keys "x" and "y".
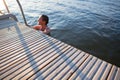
{"x": 90, "y": 25}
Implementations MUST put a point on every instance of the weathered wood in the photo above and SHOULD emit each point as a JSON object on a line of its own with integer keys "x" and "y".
{"x": 20, "y": 49}
{"x": 54, "y": 70}
{"x": 112, "y": 73}
{"x": 71, "y": 67}
{"x": 39, "y": 73}
{"x": 78, "y": 71}
{"x": 117, "y": 77}
{"x": 100, "y": 71}
{"x": 25, "y": 64}
{"x": 37, "y": 64}
{"x": 93, "y": 70}
{"x": 16, "y": 39}
{"x": 24, "y": 56}
{"x": 106, "y": 72}
{"x": 29, "y": 54}
{"x": 87, "y": 69}
{"x": 19, "y": 46}
{"x": 58, "y": 53}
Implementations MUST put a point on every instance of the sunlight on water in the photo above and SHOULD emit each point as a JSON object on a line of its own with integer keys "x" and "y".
{"x": 2, "y": 7}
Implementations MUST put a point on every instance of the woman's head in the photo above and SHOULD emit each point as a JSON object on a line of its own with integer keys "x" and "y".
{"x": 43, "y": 20}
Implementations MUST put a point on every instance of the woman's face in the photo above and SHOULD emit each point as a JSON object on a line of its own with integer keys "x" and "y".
{"x": 40, "y": 22}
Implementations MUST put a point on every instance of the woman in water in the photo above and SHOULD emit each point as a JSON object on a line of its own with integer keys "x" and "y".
{"x": 42, "y": 24}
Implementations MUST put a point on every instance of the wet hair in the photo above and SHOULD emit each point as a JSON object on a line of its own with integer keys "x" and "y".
{"x": 45, "y": 18}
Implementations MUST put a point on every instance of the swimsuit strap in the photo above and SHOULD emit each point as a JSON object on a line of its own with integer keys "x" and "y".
{"x": 42, "y": 29}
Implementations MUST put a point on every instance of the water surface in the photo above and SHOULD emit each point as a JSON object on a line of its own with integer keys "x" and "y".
{"x": 90, "y": 25}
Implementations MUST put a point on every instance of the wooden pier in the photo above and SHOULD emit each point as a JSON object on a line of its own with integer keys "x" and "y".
{"x": 28, "y": 54}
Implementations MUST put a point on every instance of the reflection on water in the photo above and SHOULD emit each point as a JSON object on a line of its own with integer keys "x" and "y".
{"x": 90, "y": 25}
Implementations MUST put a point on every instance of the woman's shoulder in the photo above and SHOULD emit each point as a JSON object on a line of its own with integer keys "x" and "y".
{"x": 37, "y": 27}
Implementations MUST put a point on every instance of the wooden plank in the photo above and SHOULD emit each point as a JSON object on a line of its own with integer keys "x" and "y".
{"x": 19, "y": 41}
{"x": 27, "y": 62}
{"x": 97, "y": 70}
{"x": 39, "y": 73}
{"x": 69, "y": 70}
{"x": 6, "y": 37}
{"x": 17, "y": 38}
{"x": 41, "y": 63}
{"x": 112, "y": 73}
{"x": 36, "y": 53}
{"x": 47, "y": 58}
{"x": 7, "y": 31}
{"x": 3, "y": 24}
{"x": 7, "y": 51}
{"x": 54, "y": 70}
{"x": 30, "y": 41}
{"x": 20, "y": 50}
{"x": 10, "y": 32}
{"x": 11, "y": 41}
{"x": 74, "y": 75}
{"x": 117, "y": 77}
{"x": 15, "y": 45}
{"x": 33, "y": 51}
{"x": 50, "y": 68}
{"x": 32, "y": 62}
{"x": 12, "y": 29}
{"x": 46, "y": 67}
{"x": 87, "y": 68}
{"x": 106, "y": 72}
{"x": 72, "y": 71}
{"x": 14, "y": 34}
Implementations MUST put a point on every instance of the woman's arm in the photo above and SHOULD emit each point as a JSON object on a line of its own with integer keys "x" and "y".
{"x": 37, "y": 27}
